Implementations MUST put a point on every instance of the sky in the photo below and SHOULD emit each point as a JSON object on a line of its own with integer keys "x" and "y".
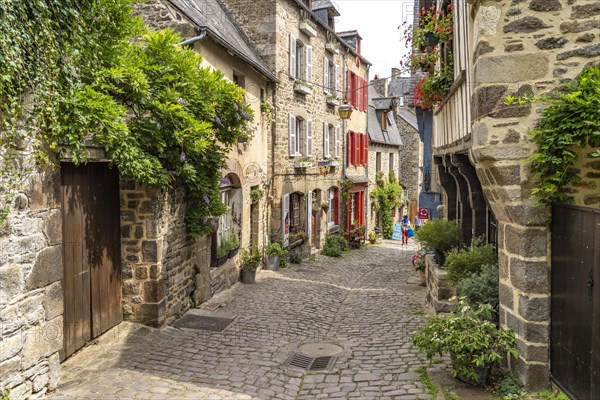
{"x": 377, "y": 23}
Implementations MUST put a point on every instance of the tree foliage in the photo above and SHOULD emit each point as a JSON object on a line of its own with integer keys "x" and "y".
{"x": 91, "y": 73}
{"x": 387, "y": 196}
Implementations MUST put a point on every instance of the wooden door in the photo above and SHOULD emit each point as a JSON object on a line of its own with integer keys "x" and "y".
{"x": 91, "y": 253}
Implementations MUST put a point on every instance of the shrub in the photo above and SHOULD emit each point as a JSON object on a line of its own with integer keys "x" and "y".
{"x": 251, "y": 259}
{"x": 440, "y": 234}
{"x": 335, "y": 245}
{"x": 295, "y": 257}
{"x": 481, "y": 287}
{"x": 462, "y": 263}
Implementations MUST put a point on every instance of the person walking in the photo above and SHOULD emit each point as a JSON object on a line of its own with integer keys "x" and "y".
{"x": 418, "y": 222}
{"x": 405, "y": 225}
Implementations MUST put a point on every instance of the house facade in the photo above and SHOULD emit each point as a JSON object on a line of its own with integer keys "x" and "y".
{"x": 308, "y": 143}
{"x": 481, "y": 147}
{"x": 83, "y": 249}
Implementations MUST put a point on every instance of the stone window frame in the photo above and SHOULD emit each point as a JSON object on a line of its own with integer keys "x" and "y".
{"x": 333, "y": 210}
{"x": 295, "y": 208}
{"x": 391, "y": 164}
{"x": 377, "y": 161}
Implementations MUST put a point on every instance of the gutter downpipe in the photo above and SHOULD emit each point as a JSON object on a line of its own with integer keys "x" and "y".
{"x": 194, "y": 39}
{"x": 344, "y": 152}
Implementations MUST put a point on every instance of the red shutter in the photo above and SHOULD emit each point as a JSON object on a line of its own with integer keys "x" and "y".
{"x": 366, "y": 96}
{"x": 349, "y": 87}
{"x": 361, "y": 204}
{"x": 361, "y": 94}
{"x": 336, "y": 207}
{"x": 350, "y": 148}
{"x": 366, "y": 150}
{"x": 357, "y": 147}
{"x": 355, "y": 91}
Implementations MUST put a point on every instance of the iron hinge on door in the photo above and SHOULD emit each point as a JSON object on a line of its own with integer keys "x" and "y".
{"x": 590, "y": 284}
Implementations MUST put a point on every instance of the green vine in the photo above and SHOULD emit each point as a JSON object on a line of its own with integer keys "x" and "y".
{"x": 572, "y": 119}
{"x": 387, "y": 196}
{"x": 86, "y": 71}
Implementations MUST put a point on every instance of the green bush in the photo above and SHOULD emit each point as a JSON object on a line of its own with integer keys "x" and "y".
{"x": 440, "y": 234}
{"x": 251, "y": 259}
{"x": 481, "y": 287}
{"x": 335, "y": 245}
{"x": 462, "y": 263}
{"x": 295, "y": 257}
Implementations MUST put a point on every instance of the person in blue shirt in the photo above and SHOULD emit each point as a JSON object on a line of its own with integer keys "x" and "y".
{"x": 405, "y": 225}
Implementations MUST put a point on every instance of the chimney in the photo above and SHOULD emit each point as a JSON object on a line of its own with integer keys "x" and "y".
{"x": 380, "y": 85}
{"x": 352, "y": 38}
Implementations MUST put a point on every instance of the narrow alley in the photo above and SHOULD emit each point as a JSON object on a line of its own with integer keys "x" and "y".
{"x": 361, "y": 309}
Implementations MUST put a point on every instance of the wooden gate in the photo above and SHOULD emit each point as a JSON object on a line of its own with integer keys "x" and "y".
{"x": 91, "y": 253}
{"x": 575, "y": 301}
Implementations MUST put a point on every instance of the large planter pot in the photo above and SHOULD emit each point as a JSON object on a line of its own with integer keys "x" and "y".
{"x": 272, "y": 262}
{"x": 423, "y": 278}
{"x": 431, "y": 39}
{"x": 248, "y": 276}
{"x": 483, "y": 374}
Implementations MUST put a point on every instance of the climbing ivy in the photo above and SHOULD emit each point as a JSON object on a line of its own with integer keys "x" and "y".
{"x": 75, "y": 72}
{"x": 571, "y": 120}
{"x": 387, "y": 196}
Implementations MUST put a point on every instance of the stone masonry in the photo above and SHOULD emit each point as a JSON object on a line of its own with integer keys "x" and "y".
{"x": 31, "y": 296}
{"x": 520, "y": 47}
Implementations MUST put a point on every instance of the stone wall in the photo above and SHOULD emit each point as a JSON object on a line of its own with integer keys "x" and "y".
{"x": 31, "y": 296}
{"x": 520, "y": 47}
{"x": 410, "y": 159}
{"x": 160, "y": 261}
{"x": 385, "y": 151}
{"x": 439, "y": 288}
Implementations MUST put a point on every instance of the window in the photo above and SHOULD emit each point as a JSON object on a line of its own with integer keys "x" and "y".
{"x": 300, "y": 136}
{"x": 225, "y": 225}
{"x": 331, "y": 80}
{"x": 391, "y": 164}
{"x": 384, "y": 121}
{"x": 294, "y": 212}
{"x": 300, "y": 61}
{"x": 358, "y": 148}
{"x": 355, "y": 216}
{"x": 377, "y": 162}
{"x": 357, "y": 91}
{"x": 239, "y": 80}
{"x": 333, "y": 210}
{"x": 330, "y": 140}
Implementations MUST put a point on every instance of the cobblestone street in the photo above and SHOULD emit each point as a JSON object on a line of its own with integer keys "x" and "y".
{"x": 368, "y": 303}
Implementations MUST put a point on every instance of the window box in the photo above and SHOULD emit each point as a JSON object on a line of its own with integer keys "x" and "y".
{"x": 333, "y": 101}
{"x": 335, "y": 164}
{"x": 333, "y": 48}
{"x": 233, "y": 252}
{"x": 302, "y": 164}
{"x": 302, "y": 87}
{"x": 295, "y": 244}
{"x": 308, "y": 28}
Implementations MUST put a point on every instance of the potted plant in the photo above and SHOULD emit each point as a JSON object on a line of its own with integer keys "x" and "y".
{"x": 372, "y": 237}
{"x": 418, "y": 261}
{"x": 308, "y": 27}
{"x": 297, "y": 238}
{"x": 222, "y": 252}
{"x": 275, "y": 253}
{"x": 256, "y": 194}
{"x": 251, "y": 260}
{"x": 303, "y": 163}
{"x": 302, "y": 87}
{"x": 441, "y": 235}
{"x": 474, "y": 342}
{"x": 233, "y": 244}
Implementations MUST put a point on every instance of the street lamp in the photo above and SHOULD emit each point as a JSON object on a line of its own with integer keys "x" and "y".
{"x": 344, "y": 111}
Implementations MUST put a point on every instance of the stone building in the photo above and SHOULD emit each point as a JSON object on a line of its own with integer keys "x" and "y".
{"x": 308, "y": 142}
{"x": 481, "y": 147}
{"x": 66, "y": 278}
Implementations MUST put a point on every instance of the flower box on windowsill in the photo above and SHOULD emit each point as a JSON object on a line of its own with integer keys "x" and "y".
{"x": 332, "y": 48}
{"x": 308, "y": 28}
{"x": 302, "y": 164}
{"x": 332, "y": 101}
{"x": 295, "y": 244}
{"x": 302, "y": 87}
{"x": 335, "y": 163}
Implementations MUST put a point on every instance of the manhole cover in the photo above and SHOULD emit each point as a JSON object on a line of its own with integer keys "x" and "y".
{"x": 308, "y": 363}
{"x": 320, "y": 349}
{"x": 195, "y": 319}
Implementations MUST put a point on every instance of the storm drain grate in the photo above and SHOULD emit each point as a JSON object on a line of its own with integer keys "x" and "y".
{"x": 308, "y": 363}
{"x": 203, "y": 322}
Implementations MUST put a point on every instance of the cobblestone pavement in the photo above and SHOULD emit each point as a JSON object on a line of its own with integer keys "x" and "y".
{"x": 367, "y": 302}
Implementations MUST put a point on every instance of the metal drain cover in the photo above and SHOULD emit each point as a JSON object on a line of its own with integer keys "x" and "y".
{"x": 308, "y": 363}
{"x": 202, "y": 320}
{"x": 320, "y": 349}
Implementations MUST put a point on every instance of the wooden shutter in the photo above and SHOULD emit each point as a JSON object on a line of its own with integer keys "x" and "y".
{"x": 309, "y": 213}
{"x": 349, "y": 87}
{"x": 285, "y": 217}
{"x": 357, "y": 149}
{"x": 337, "y": 141}
{"x": 326, "y": 152}
{"x": 337, "y": 82}
{"x": 326, "y": 82}
{"x": 350, "y": 148}
{"x": 292, "y": 134}
{"x": 309, "y": 138}
{"x": 366, "y": 149}
{"x": 354, "y": 91}
{"x": 336, "y": 206}
{"x": 365, "y": 96}
{"x": 309, "y": 64}
{"x": 292, "y": 55}
{"x": 361, "y": 204}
